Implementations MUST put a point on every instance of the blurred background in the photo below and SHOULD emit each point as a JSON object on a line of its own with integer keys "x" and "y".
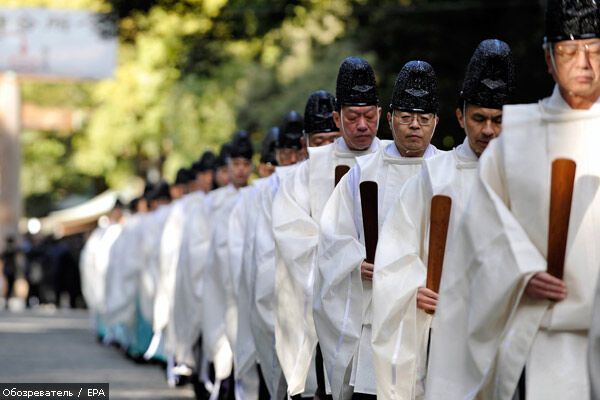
{"x": 189, "y": 72}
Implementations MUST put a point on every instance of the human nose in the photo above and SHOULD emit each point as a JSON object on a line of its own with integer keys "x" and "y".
{"x": 582, "y": 57}
{"x": 362, "y": 124}
{"x": 488, "y": 128}
{"x": 414, "y": 123}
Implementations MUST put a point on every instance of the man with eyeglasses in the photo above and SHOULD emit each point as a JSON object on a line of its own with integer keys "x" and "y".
{"x": 299, "y": 202}
{"x": 520, "y": 331}
{"x": 400, "y": 300}
{"x": 342, "y": 306}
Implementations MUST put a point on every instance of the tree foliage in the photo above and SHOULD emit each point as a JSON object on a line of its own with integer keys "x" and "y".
{"x": 191, "y": 72}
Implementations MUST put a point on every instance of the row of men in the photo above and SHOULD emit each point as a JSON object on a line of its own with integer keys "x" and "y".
{"x": 299, "y": 270}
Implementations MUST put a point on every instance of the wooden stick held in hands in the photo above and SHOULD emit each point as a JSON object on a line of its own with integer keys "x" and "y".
{"x": 368, "y": 200}
{"x": 561, "y": 194}
{"x": 438, "y": 232}
{"x": 340, "y": 171}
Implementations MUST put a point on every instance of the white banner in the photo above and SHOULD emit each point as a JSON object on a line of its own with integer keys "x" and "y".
{"x": 57, "y": 43}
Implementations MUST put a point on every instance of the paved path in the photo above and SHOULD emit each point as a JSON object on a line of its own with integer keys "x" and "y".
{"x": 58, "y": 346}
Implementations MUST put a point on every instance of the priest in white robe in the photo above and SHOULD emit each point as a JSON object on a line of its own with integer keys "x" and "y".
{"x": 242, "y": 231}
{"x": 122, "y": 279}
{"x": 153, "y": 225}
{"x": 320, "y": 130}
{"x": 289, "y": 149}
{"x": 342, "y": 306}
{"x": 400, "y": 300}
{"x": 297, "y": 209}
{"x": 95, "y": 259}
{"x": 187, "y": 301}
{"x": 219, "y": 312}
{"x": 170, "y": 249}
{"x": 500, "y": 313}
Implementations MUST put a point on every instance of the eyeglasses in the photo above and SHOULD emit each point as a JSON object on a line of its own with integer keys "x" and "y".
{"x": 569, "y": 50}
{"x": 406, "y": 118}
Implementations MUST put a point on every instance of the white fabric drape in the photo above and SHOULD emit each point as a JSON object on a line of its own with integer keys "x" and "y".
{"x": 400, "y": 330}
{"x": 342, "y": 304}
{"x": 297, "y": 208}
{"x": 485, "y": 331}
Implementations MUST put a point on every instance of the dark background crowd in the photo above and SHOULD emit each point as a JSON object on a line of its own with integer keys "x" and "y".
{"x": 47, "y": 267}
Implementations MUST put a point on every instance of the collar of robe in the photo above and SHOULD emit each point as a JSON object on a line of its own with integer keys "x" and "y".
{"x": 393, "y": 156}
{"x": 465, "y": 156}
{"x": 341, "y": 150}
{"x": 556, "y": 109}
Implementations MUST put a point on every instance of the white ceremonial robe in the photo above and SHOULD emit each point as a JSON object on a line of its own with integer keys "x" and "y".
{"x": 170, "y": 252}
{"x": 87, "y": 268}
{"x": 297, "y": 209}
{"x": 262, "y": 311}
{"x": 342, "y": 305}
{"x": 189, "y": 281}
{"x": 485, "y": 329}
{"x": 101, "y": 262}
{"x": 153, "y": 224}
{"x": 400, "y": 330}
{"x": 219, "y": 313}
{"x": 240, "y": 244}
{"x": 123, "y": 275}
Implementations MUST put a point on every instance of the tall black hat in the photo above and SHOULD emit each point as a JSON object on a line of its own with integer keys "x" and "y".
{"x": 183, "y": 176}
{"x": 241, "y": 145}
{"x": 224, "y": 155}
{"x": 291, "y": 131}
{"x": 416, "y": 88}
{"x": 205, "y": 163}
{"x": 161, "y": 191}
{"x": 267, "y": 152}
{"x": 318, "y": 114}
{"x": 490, "y": 77}
{"x": 356, "y": 84}
{"x": 572, "y": 19}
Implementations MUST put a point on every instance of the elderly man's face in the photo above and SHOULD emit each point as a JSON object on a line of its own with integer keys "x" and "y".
{"x": 412, "y": 131}
{"x": 577, "y": 67}
{"x": 358, "y": 125}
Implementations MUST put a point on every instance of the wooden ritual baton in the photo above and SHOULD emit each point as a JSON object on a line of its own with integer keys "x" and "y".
{"x": 561, "y": 194}
{"x": 438, "y": 232}
{"x": 340, "y": 171}
{"x": 368, "y": 204}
